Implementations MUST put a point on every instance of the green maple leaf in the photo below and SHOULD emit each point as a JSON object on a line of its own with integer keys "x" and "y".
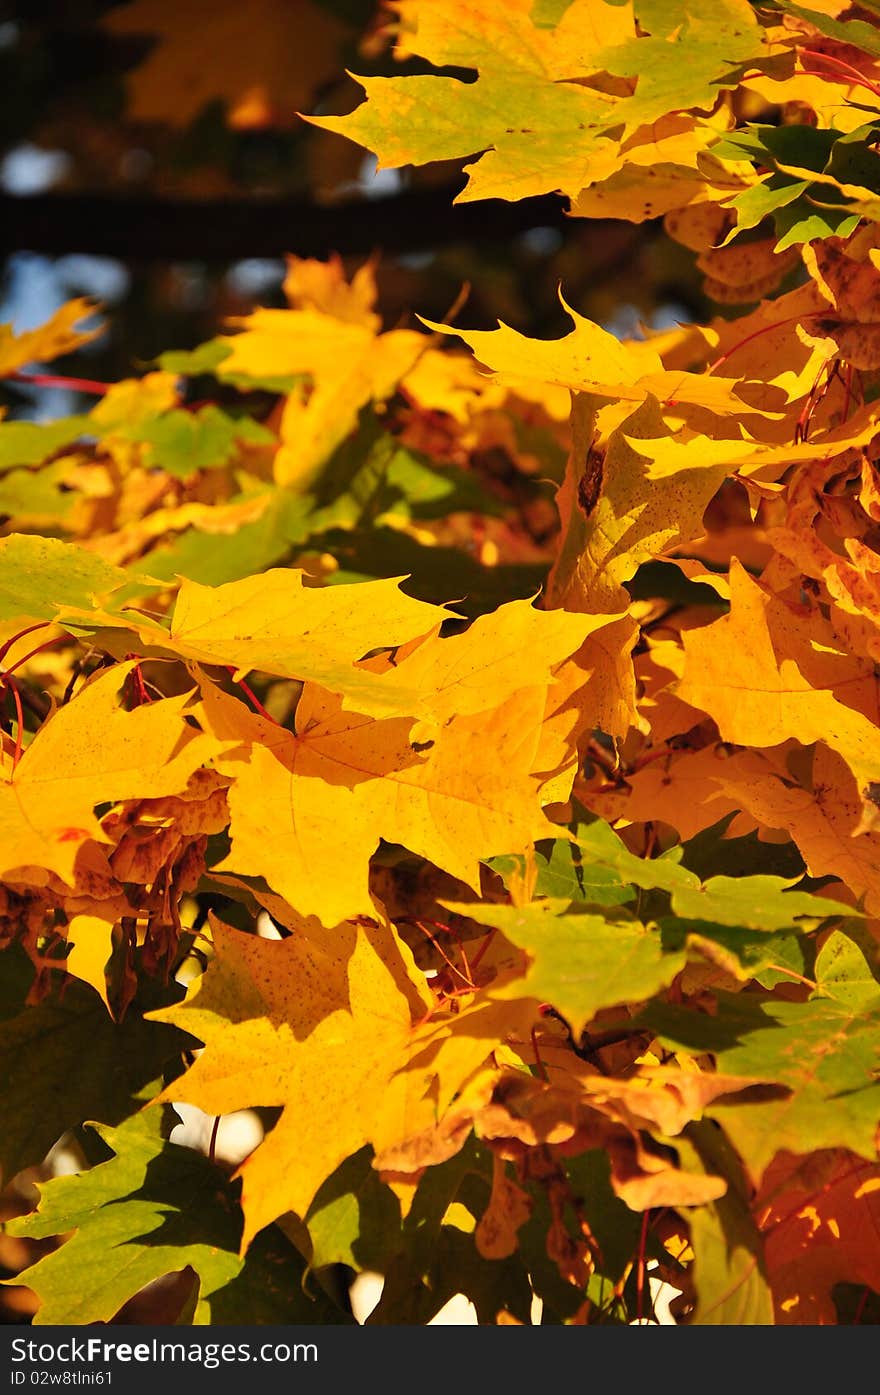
{"x": 729, "y": 1271}
{"x": 193, "y": 363}
{"x": 29, "y": 442}
{"x": 564, "y": 872}
{"x": 354, "y": 1218}
{"x": 754, "y": 903}
{"x": 813, "y": 174}
{"x": 65, "y": 1060}
{"x": 182, "y": 442}
{"x": 207, "y": 359}
{"x": 595, "y": 865}
{"x": 797, "y": 223}
{"x": 43, "y": 495}
{"x": 151, "y": 1210}
{"x": 767, "y": 957}
{"x": 437, "y": 1258}
{"x": 685, "y": 54}
{"x": 40, "y": 575}
{"x": 737, "y": 922}
{"x": 254, "y": 547}
{"x": 822, "y": 1054}
{"x": 854, "y": 32}
{"x": 581, "y": 961}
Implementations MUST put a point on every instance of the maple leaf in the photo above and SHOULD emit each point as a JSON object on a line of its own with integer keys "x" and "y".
{"x": 276, "y": 623}
{"x": 825, "y": 820}
{"x": 679, "y": 788}
{"x": 135, "y": 1216}
{"x": 370, "y": 481}
{"x": 823, "y": 1052}
{"x": 580, "y": 962}
{"x": 57, "y": 336}
{"x": 754, "y": 903}
{"x": 47, "y": 803}
{"x": 800, "y": 184}
{"x": 851, "y": 581}
{"x": 39, "y": 576}
{"x": 469, "y": 793}
{"x": 274, "y": 72}
{"x": 563, "y": 872}
{"x": 778, "y": 342}
{"x": 535, "y": 108}
{"x": 768, "y": 671}
{"x": 31, "y": 442}
{"x": 820, "y": 1218}
{"x": 133, "y": 402}
{"x": 675, "y": 154}
{"x": 182, "y": 442}
{"x": 600, "y": 675}
{"x": 346, "y": 362}
{"x": 847, "y": 276}
{"x": 65, "y": 1060}
{"x": 318, "y": 1027}
{"x": 355, "y": 1218}
{"x": 471, "y": 672}
{"x": 729, "y": 1269}
{"x": 590, "y": 360}
{"x": 601, "y": 847}
{"x": 317, "y": 285}
{"x": 617, "y": 510}
{"x": 91, "y": 941}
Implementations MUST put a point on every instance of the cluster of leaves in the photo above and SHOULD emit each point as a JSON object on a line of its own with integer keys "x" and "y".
{"x": 575, "y": 898}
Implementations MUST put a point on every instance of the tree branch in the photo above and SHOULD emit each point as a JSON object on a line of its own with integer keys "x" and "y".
{"x": 220, "y": 230}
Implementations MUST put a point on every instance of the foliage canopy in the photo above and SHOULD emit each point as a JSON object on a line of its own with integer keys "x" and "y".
{"x": 566, "y": 839}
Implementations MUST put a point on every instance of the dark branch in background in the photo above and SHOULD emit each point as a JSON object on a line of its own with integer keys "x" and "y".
{"x": 217, "y": 230}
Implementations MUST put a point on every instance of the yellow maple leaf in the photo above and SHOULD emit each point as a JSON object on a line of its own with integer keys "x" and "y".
{"x": 768, "y": 671}
{"x": 627, "y": 496}
{"x": 550, "y": 104}
{"x": 319, "y": 1028}
{"x": 664, "y": 167}
{"x": 524, "y": 70}
{"x": 322, "y": 286}
{"x": 313, "y": 426}
{"x": 590, "y": 360}
{"x": 681, "y": 788}
{"x": 449, "y": 381}
{"x": 823, "y": 821}
{"x": 47, "y": 804}
{"x": 471, "y": 672}
{"x": 276, "y": 623}
{"x": 265, "y": 59}
{"x": 332, "y": 344}
{"x": 91, "y": 939}
{"x": 833, "y": 96}
{"x": 57, "y": 336}
{"x": 462, "y": 792}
